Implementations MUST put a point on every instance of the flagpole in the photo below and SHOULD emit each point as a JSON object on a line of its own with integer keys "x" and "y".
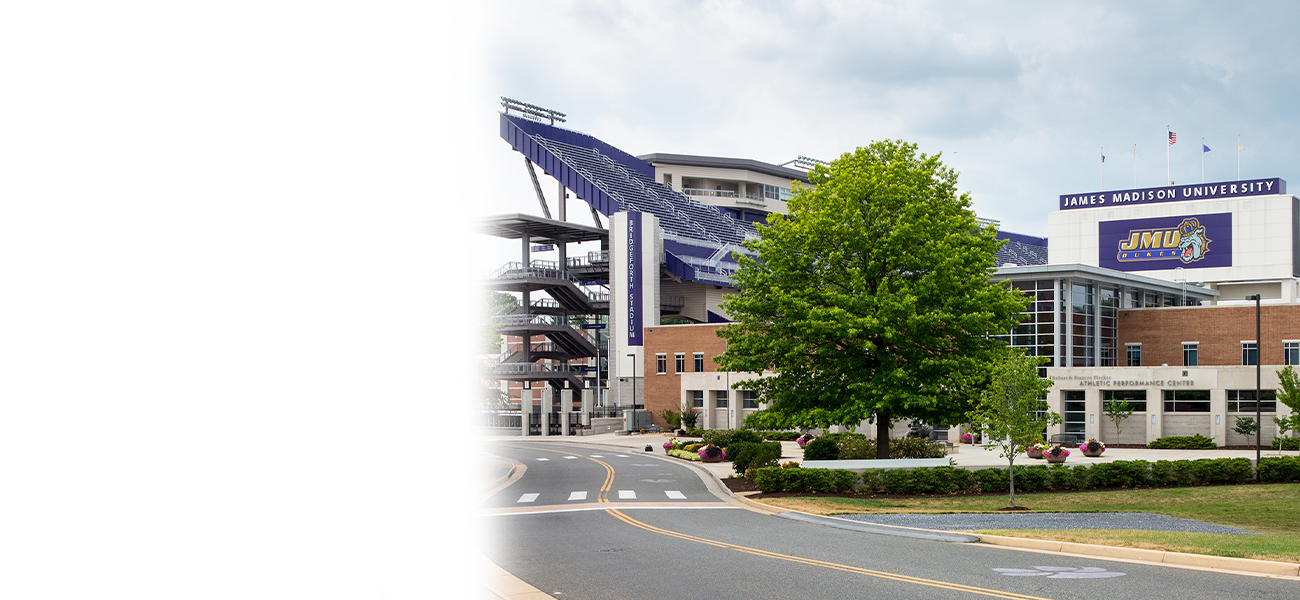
{"x": 1135, "y": 167}
{"x": 1238, "y": 157}
{"x": 1167, "y": 131}
{"x": 1102, "y": 170}
{"x": 1202, "y": 159}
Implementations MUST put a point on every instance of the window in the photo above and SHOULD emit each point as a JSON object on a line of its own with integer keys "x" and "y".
{"x": 1137, "y": 399}
{"x": 699, "y": 362}
{"x": 1189, "y": 354}
{"x": 720, "y": 399}
{"x": 1193, "y": 401}
{"x": 680, "y": 362}
{"x": 748, "y": 399}
{"x": 1244, "y": 401}
{"x": 668, "y": 179}
{"x": 661, "y": 363}
{"x": 1134, "y": 352}
{"x": 1075, "y": 413}
{"x": 1291, "y": 353}
{"x": 1249, "y": 353}
{"x": 697, "y": 399}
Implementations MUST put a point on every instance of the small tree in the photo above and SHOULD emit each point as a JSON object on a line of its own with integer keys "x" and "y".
{"x": 1013, "y": 412}
{"x": 1246, "y": 426}
{"x": 1285, "y": 424}
{"x": 1290, "y": 396}
{"x": 689, "y": 417}
{"x": 1117, "y": 411}
{"x": 479, "y": 388}
{"x": 672, "y": 418}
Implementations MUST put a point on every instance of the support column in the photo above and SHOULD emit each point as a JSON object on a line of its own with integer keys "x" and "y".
{"x": 563, "y": 197}
{"x": 588, "y": 397}
{"x": 1219, "y": 416}
{"x": 564, "y": 422}
{"x": 525, "y": 410}
{"x": 1155, "y": 419}
{"x": 566, "y": 400}
{"x": 546, "y": 421}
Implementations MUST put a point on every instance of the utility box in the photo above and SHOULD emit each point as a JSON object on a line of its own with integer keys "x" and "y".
{"x": 636, "y": 420}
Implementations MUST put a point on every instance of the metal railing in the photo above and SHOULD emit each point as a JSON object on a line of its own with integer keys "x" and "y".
{"x": 672, "y": 301}
{"x": 506, "y": 420}
{"x": 520, "y": 368}
{"x": 724, "y": 194}
{"x": 548, "y": 269}
{"x": 507, "y": 320}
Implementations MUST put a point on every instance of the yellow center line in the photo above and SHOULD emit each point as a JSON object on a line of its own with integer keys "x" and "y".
{"x": 818, "y": 563}
{"x": 609, "y": 479}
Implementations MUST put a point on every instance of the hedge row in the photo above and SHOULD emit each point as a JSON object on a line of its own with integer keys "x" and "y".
{"x": 1029, "y": 478}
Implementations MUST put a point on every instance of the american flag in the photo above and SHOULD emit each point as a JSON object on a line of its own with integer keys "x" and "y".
{"x": 1173, "y": 138}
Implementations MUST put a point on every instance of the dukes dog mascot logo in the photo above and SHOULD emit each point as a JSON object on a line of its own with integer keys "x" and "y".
{"x": 1187, "y": 243}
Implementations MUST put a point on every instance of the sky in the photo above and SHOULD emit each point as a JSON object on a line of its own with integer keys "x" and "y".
{"x": 1020, "y": 98}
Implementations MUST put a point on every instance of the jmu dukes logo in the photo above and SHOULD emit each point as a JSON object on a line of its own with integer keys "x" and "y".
{"x": 1187, "y": 243}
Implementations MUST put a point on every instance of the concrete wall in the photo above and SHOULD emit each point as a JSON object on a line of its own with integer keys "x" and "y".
{"x": 1262, "y": 242}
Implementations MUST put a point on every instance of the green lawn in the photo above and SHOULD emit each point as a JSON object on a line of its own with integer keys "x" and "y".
{"x": 1271, "y": 510}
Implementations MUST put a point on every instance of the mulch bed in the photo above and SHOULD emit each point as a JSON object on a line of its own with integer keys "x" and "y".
{"x": 740, "y": 484}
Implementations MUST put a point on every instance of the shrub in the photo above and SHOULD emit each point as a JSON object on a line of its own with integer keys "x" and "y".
{"x": 1061, "y": 477}
{"x": 916, "y": 448}
{"x": 790, "y": 464}
{"x": 1120, "y": 473}
{"x": 821, "y": 449}
{"x": 1183, "y": 442}
{"x": 671, "y": 417}
{"x": 769, "y": 479}
{"x": 1286, "y": 443}
{"x": 779, "y": 436}
{"x": 691, "y": 431}
{"x": 747, "y": 455}
{"x": 1170, "y": 473}
{"x": 1279, "y": 468}
{"x": 1031, "y": 478}
{"x": 992, "y": 480}
{"x": 692, "y": 447}
{"x": 726, "y": 437}
{"x": 853, "y": 448}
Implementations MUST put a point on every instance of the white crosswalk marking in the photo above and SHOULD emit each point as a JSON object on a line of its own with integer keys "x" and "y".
{"x": 527, "y": 498}
{"x": 626, "y": 495}
{"x": 570, "y": 457}
{"x": 577, "y": 495}
{"x": 675, "y": 495}
{"x": 543, "y": 459}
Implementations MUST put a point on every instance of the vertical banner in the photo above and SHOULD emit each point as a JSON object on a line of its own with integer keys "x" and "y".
{"x": 635, "y": 280}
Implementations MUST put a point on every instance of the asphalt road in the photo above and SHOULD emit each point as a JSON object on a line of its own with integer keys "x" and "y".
{"x": 583, "y": 523}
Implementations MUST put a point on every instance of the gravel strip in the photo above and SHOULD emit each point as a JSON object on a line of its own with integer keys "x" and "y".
{"x": 1111, "y": 520}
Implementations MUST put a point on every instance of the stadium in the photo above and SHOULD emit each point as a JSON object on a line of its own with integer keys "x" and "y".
{"x": 1147, "y": 295}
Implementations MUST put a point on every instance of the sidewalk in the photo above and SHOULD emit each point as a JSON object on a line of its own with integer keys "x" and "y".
{"x": 966, "y": 455}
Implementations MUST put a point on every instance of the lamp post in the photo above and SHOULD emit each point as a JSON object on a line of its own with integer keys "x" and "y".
{"x": 1258, "y": 417}
{"x": 632, "y": 356}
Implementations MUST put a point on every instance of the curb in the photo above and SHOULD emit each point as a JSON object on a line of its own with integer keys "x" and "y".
{"x": 506, "y": 586}
{"x": 1202, "y": 561}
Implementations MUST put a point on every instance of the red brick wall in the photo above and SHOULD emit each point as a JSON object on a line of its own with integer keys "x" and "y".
{"x": 1219, "y": 329}
{"x": 665, "y": 391}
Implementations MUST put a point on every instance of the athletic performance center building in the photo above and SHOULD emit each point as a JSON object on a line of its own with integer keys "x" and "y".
{"x": 1140, "y": 295}
{"x": 1188, "y": 370}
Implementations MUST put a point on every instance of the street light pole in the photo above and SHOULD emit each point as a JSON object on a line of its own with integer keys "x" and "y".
{"x": 633, "y": 357}
{"x": 1259, "y": 426}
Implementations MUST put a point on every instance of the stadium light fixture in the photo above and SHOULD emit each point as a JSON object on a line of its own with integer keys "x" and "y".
{"x": 532, "y": 111}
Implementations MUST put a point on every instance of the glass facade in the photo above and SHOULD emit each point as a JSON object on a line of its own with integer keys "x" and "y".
{"x": 1182, "y": 401}
{"x": 1075, "y": 413}
{"x": 1137, "y": 399}
{"x": 1244, "y": 401}
{"x": 1074, "y": 321}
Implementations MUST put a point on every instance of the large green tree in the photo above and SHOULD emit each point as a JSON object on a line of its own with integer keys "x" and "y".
{"x": 477, "y": 382}
{"x": 871, "y": 298}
